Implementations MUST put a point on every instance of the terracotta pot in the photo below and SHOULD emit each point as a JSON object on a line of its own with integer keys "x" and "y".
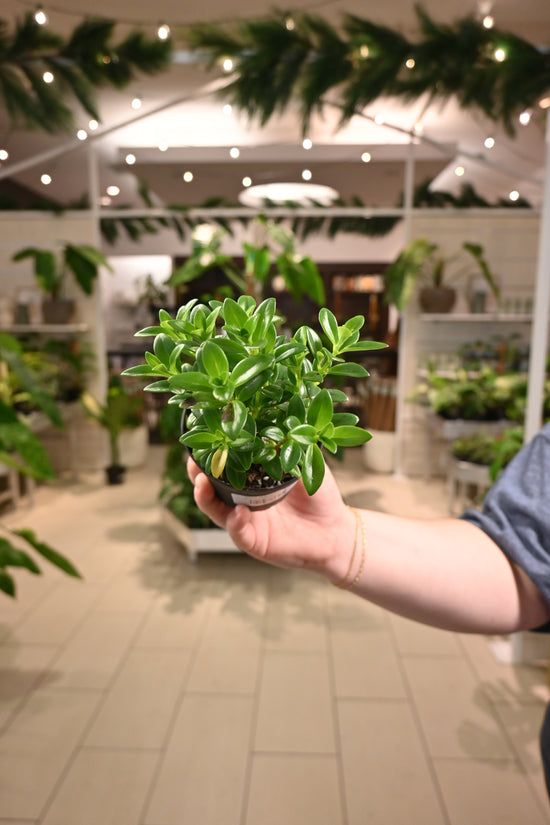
{"x": 437, "y": 298}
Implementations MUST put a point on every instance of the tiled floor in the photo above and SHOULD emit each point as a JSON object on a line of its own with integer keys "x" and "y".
{"x": 156, "y": 692}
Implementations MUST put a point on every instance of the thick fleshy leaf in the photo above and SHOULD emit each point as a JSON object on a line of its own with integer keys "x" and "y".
{"x": 304, "y": 434}
{"x": 218, "y": 461}
{"x": 249, "y": 368}
{"x": 214, "y": 361}
{"x": 290, "y": 455}
{"x": 320, "y": 410}
{"x": 234, "y": 418}
{"x": 314, "y": 469}
{"x": 347, "y": 436}
{"x": 329, "y": 324}
{"x": 354, "y": 370}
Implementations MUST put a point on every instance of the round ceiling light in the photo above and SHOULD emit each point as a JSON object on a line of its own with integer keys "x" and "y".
{"x": 306, "y": 194}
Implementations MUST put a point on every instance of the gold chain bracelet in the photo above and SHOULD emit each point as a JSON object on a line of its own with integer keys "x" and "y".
{"x": 346, "y": 582}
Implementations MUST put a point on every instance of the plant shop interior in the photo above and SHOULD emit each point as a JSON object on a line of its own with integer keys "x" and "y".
{"x": 344, "y": 159}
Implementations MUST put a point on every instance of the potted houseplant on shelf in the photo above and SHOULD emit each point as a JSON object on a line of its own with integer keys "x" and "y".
{"x": 257, "y": 405}
{"x": 422, "y": 263}
{"x": 52, "y": 269}
{"x": 120, "y": 411}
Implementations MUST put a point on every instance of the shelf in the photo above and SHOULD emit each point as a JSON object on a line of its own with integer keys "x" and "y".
{"x": 45, "y": 329}
{"x": 475, "y": 317}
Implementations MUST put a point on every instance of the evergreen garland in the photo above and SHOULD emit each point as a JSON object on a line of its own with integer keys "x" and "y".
{"x": 275, "y": 63}
{"x": 85, "y": 61}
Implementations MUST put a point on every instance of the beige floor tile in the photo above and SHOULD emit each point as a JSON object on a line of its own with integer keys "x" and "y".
{"x": 58, "y": 615}
{"x": 348, "y": 612}
{"x": 202, "y": 775}
{"x": 294, "y": 790}
{"x": 141, "y": 702}
{"x": 37, "y": 747}
{"x": 295, "y": 708}
{"x": 296, "y": 613}
{"x": 456, "y": 717}
{"x": 522, "y": 724}
{"x": 178, "y": 619}
{"x": 95, "y": 652}
{"x": 503, "y": 682}
{"x": 479, "y": 792}
{"x": 228, "y": 654}
{"x": 366, "y": 667}
{"x": 21, "y": 668}
{"x": 415, "y": 639}
{"x": 102, "y": 786}
{"x": 387, "y": 777}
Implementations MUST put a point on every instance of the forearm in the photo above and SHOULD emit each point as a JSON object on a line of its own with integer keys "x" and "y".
{"x": 443, "y": 572}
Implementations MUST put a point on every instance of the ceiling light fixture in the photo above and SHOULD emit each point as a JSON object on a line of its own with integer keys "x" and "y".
{"x": 136, "y": 103}
{"x": 82, "y": 134}
{"x": 410, "y": 63}
{"x": 234, "y": 152}
{"x": 290, "y": 25}
{"x": 130, "y": 159}
{"x": 379, "y": 119}
{"x": 48, "y": 77}
{"x": 305, "y": 194}
{"x": 45, "y": 179}
{"x": 246, "y": 181}
{"x": 307, "y": 143}
{"x": 113, "y": 191}
{"x": 187, "y": 177}
{"x": 514, "y": 195}
{"x": 489, "y": 142}
{"x": 92, "y": 125}
{"x": 306, "y": 174}
{"x": 163, "y": 31}
{"x": 227, "y": 109}
{"x": 227, "y": 64}
{"x": 163, "y": 147}
{"x": 544, "y": 103}
{"x": 40, "y": 16}
{"x": 525, "y": 117}
{"x": 459, "y": 171}
{"x": 488, "y": 21}
{"x": 366, "y": 157}
{"x": 4, "y": 154}
{"x": 500, "y": 55}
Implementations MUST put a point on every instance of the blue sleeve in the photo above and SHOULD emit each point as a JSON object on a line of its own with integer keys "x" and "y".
{"x": 516, "y": 511}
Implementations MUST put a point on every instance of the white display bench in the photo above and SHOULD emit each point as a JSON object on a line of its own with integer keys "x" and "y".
{"x": 197, "y": 540}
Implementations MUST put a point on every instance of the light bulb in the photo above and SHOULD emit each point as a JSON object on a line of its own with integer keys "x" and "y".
{"x": 306, "y": 174}
{"x": 163, "y": 147}
{"x": 489, "y": 142}
{"x": 41, "y": 17}
{"x": 514, "y": 195}
{"x": 234, "y": 152}
{"x": 48, "y": 77}
{"x": 410, "y": 63}
{"x": 227, "y": 64}
{"x": 246, "y": 181}
{"x": 82, "y": 134}
{"x": 499, "y": 55}
{"x": 187, "y": 177}
{"x": 4, "y": 154}
{"x": 366, "y": 157}
{"x": 136, "y": 103}
{"x": 130, "y": 159}
{"x": 163, "y": 31}
{"x": 307, "y": 143}
{"x": 459, "y": 171}
{"x": 379, "y": 119}
{"x": 113, "y": 191}
{"x": 290, "y": 25}
{"x": 45, "y": 179}
{"x": 92, "y": 125}
{"x": 227, "y": 109}
{"x": 525, "y": 117}
{"x": 488, "y": 21}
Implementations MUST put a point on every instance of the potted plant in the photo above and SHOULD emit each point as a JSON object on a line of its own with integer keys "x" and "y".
{"x": 22, "y": 453}
{"x": 258, "y": 406}
{"x": 273, "y": 253}
{"x": 120, "y": 411}
{"x": 421, "y": 262}
{"x": 51, "y": 270}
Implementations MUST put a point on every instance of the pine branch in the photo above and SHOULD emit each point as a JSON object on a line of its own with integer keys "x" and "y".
{"x": 81, "y": 64}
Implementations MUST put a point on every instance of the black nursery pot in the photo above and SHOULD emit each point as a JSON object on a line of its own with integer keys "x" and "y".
{"x": 115, "y": 474}
{"x": 255, "y": 498}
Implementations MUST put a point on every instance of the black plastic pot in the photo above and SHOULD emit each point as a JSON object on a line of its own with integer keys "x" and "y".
{"x": 255, "y": 498}
{"x": 115, "y": 474}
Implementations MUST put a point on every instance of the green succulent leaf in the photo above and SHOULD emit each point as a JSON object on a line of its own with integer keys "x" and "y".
{"x": 350, "y": 369}
{"x": 314, "y": 469}
{"x": 290, "y": 455}
{"x": 304, "y": 434}
{"x": 250, "y": 368}
{"x": 346, "y": 436}
{"x": 214, "y": 360}
{"x": 329, "y": 324}
{"x": 320, "y": 410}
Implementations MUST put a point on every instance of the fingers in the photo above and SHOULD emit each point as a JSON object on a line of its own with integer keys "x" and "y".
{"x": 207, "y": 499}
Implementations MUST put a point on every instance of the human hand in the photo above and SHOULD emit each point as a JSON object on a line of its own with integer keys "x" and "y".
{"x": 312, "y": 532}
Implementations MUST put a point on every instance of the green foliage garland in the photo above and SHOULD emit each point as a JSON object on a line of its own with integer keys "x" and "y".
{"x": 275, "y": 64}
{"x": 85, "y": 61}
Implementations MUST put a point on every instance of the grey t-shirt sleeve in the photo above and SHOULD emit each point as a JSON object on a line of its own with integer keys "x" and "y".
{"x": 516, "y": 511}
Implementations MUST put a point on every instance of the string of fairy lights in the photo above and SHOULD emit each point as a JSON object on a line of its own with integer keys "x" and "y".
{"x": 164, "y": 32}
